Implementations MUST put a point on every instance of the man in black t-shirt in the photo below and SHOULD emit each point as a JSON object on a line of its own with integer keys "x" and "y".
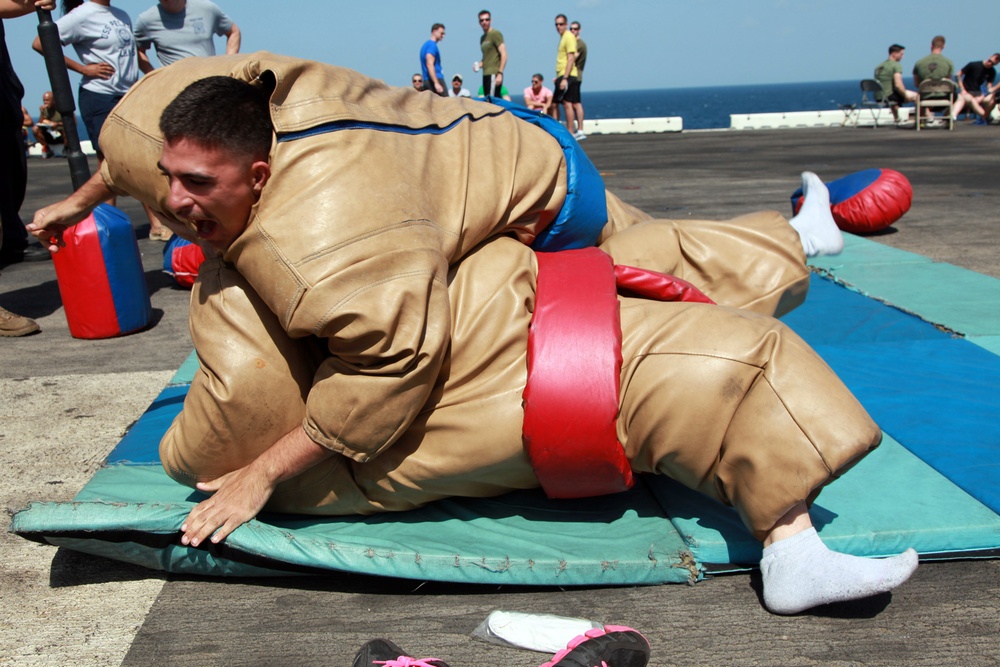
{"x": 972, "y": 78}
{"x": 14, "y": 241}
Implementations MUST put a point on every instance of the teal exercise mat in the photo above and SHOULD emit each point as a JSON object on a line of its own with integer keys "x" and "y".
{"x": 889, "y": 501}
{"x": 961, "y": 300}
{"x": 133, "y": 513}
{"x": 934, "y": 390}
{"x": 657, "y": 533}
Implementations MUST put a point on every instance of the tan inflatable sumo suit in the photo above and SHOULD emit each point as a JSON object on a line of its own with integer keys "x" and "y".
{"x": 342, "y": 277}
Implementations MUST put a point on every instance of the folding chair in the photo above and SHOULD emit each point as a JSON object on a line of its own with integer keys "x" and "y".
{"x": 872, "y": 98}
{"x": 935, "y": 94}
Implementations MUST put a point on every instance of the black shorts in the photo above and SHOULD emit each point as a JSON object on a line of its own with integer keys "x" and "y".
{"x": 489, "y": 85}
{"x": 572, "y": 93}
{"x": 429, "y": 86}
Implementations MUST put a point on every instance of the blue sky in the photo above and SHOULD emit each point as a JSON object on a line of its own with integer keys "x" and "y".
{"x": 633, "y": 44}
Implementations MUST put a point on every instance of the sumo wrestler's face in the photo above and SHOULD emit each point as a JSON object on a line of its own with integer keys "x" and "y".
{"x": 211, "y": 189}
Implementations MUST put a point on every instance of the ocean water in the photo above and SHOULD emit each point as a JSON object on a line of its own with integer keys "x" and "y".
{"x": 705, "y": 108}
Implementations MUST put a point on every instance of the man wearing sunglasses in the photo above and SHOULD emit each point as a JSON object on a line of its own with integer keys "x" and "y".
{"x": 581, "y": 61}
{"x": 567, "y": 89}
{"x": 494, "y": 56}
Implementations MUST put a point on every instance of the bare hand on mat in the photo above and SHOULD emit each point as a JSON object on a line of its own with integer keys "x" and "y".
{"x": 241, "y": 494}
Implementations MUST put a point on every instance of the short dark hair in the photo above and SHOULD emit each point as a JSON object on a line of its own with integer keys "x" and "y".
{"x": 896, "y": 48}
{"x": 563, "y": 17}
{"x": 485, "y": 11}
{"x": 221, "y": 112}
{"x": 575, "y": 23}
{"x": 436, "y": 26}
{"x": 938, "y": 42}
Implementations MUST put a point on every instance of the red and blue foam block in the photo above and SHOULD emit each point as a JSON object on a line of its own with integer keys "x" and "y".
{"x": 101, "y": 281}
{"x": 866, "y": 201}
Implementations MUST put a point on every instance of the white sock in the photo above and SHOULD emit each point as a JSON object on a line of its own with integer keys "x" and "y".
{"x": 815, "y": 224}
{"x": 800, "y": 572}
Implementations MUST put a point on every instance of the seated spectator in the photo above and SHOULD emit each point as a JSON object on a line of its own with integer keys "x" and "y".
{"x": 934, "y": 67}
{"x": 456, "y": 88}
{"x": 974, "y": 81}
{"x": 48, "y": 129}
{"x": 503, "y": 92}
{"x": 890, "y": 74}
{"x": 990, "y": 102}
{"x": 26, "y": 126}
{"x": 537, "y": 96}
{"x": 418, "y": 82}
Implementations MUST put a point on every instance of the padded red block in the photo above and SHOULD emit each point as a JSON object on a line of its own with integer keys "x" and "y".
{"x": 866, "y": 201}
{"x": 100, "y": 276}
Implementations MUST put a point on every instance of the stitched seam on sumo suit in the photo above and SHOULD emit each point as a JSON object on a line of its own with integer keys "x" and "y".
{"x": 338, "y": 125}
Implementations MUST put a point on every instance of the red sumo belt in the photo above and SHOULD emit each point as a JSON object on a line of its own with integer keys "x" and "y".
{"x": 574, "y": 369}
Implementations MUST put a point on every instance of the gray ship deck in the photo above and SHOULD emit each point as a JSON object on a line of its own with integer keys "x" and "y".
{"x": 67, "y": 402}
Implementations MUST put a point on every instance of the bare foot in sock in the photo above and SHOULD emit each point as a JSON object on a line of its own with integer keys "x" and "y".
{"x": 800, "y": 572}
{"x": 815, "y": 224}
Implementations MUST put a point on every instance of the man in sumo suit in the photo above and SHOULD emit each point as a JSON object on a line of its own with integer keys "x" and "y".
{"x": 368, "y": 311}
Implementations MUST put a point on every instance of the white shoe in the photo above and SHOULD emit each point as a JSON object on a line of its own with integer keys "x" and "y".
{"x": 580, "y": 136}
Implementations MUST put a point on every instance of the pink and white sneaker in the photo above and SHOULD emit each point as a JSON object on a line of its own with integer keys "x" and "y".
{"x": 610, "y": 646}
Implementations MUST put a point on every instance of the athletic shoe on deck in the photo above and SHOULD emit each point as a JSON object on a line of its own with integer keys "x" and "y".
{"x": 384, "y": 652}
{"x": 610, "y": 646}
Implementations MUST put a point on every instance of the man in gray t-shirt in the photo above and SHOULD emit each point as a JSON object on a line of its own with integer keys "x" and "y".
{"x": 182, "y": 28}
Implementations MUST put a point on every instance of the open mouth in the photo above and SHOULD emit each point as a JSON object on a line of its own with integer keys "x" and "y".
{"x": 205, "y": 228}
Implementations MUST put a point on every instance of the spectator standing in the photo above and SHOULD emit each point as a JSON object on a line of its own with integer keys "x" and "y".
{"x": 180, "y": 29}
{"x": 565, "y": 91}
{"x": 537, "y": 96}
{"x": 581, "y": 61}
{"x": 889, "y": 73}
{"x": 974, "y": 83}
{"x": 430, "y": 62}
{"x": 102, "y": 37}
{"x": 418, "y": 82}
{"x": 48, "y": 129}
{"x": 14, "y": 167}
{"x": 183, "y": 28}
{"x": 456, "y": 88}
{"x": 494, "y": 60}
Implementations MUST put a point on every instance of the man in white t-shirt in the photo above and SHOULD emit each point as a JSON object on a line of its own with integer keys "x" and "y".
{"x": 182, "y": 28}
{"x": 456, "y": 87}
{"x": 102, "y": 37}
